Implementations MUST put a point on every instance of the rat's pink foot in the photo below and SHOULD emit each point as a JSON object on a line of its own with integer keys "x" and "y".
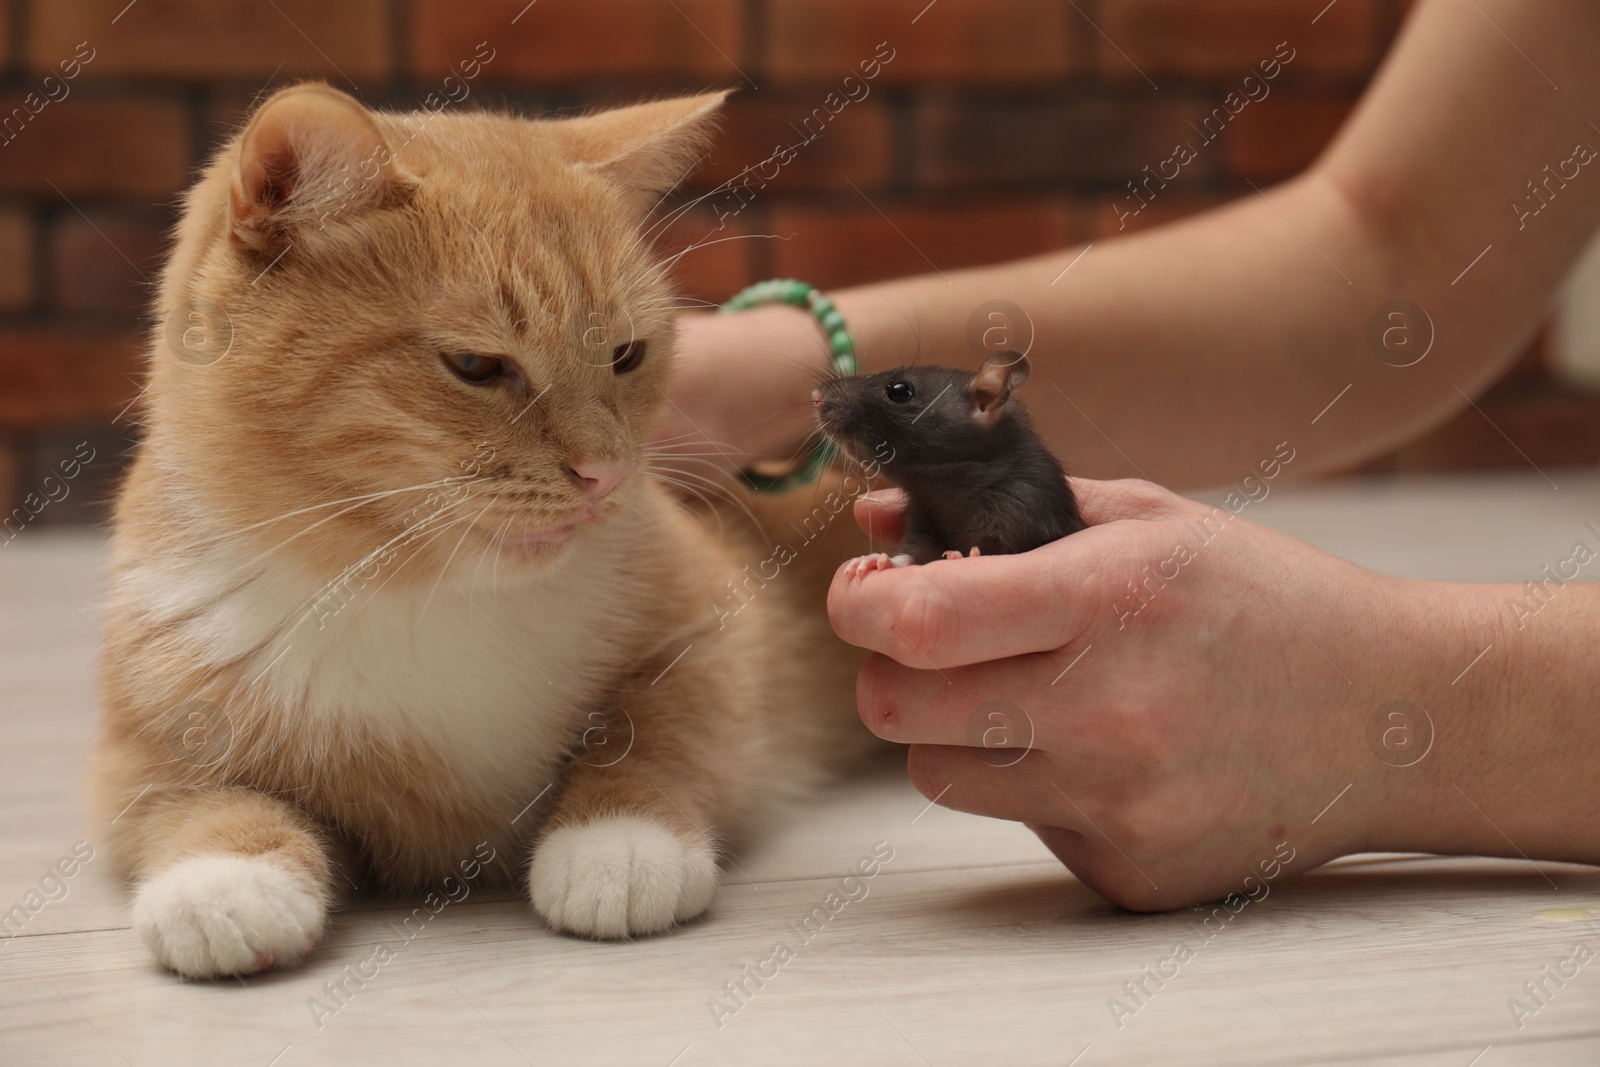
{"x": 861, "y": 566}
{"x": 974, "y": 552}
{"x": 952, "y": 554}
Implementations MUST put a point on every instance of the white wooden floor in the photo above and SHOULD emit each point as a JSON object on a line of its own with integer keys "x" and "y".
{"x": 972, "y": 947}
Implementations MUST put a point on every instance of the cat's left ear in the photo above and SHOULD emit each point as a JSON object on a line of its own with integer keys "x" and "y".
{"x": 310, "y": 155}
{"x": 647, "y": 148}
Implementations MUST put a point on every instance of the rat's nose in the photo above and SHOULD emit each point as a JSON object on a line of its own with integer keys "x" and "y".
{"x": 816, "y": 396}
{"x": 596, "y": 479}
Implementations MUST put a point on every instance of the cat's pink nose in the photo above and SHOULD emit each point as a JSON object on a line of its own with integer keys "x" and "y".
{"x": 597, "y": 479}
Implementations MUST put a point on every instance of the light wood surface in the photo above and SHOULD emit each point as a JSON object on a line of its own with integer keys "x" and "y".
{"x": 972, "y": 947}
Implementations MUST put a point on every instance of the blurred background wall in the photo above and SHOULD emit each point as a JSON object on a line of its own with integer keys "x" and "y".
{"x": 998, "y": 129}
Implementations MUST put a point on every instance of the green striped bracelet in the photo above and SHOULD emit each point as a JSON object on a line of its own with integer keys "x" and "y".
{"x": 843, "y": 360}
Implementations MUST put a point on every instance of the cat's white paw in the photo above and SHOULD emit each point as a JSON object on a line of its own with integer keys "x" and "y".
{"x": 215, "y": 915}
{"x": 619, "y": 876}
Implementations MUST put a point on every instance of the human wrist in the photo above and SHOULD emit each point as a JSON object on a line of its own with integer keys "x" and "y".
{"x": 753, "y": 373}
{"x": 1402, "y": 704}
{"x": 1357, "y": 764}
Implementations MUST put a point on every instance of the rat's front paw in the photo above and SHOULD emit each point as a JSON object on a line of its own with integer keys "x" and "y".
{"x": 861, "y": 566}
{"x": 953, "y": 554}
{"x": 619, "y": 876}
{"x": 215, "y": 915}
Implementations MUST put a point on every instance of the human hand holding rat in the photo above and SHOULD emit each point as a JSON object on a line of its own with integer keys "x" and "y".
{"x": 1164, "y": 745}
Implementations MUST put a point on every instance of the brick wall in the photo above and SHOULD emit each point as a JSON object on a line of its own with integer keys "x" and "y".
{"x": 999, "y": 128}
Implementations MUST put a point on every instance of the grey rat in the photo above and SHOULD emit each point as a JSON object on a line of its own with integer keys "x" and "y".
{"x": 975, "y": 474}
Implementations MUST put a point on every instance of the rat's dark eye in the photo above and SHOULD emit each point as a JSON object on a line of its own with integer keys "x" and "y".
{"x": 473, "y": 368}
{"x": 625, "y": 358}
{"x": 900, "y": 391}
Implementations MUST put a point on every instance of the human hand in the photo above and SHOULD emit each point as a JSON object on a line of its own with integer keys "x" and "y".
{"x": 743, "y": 383}
{"x": 1164, "y": 740}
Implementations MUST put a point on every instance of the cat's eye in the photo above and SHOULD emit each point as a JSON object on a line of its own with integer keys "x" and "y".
{"x": 900, "y": 391}
{"x": 473, "y": 368}
{"x": 626, "y": 357}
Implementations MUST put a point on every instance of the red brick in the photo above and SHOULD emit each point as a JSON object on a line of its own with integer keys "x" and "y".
{"x": 555, "y": 41}
{"x": 1226, "y": 39}
{"x": 48, "y": 378}
{"x": 16, "y": 260}
{"x": 850, "y": 244}
{"x": 131, "y": 148}
{"x": 718, "y": 268}
{"x": 968, "y": 144}
{"x": 1281, "y": 136}
{"x": 854, "y": 145}
{"x": 221, "y": 39}
{"x": 107, "y": 266}
{"x": 951, "y": 41}
{"x": 10, "y": 480}
{"x": 1169, "y": 206}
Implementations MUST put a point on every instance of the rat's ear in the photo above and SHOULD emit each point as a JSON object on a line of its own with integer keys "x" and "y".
{"x": 646, "y": 148}
{"x": 310, "y": 153}
{"x": 992, "y": 386}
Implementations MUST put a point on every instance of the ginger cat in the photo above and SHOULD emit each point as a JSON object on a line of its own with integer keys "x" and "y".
{"x": 394, "y": 593}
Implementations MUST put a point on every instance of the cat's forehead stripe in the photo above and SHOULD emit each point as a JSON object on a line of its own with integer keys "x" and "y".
{"x": 514, "y": 309}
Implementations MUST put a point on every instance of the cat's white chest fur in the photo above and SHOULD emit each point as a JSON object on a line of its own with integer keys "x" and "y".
{"x": 493, "y": 678}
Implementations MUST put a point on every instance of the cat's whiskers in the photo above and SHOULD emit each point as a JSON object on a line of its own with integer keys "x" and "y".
{"x": 700, "y": 485}
{"x": 494, "y": 569}
{"x": 414, "y": 530}
{"x": 695, "y": 439}
{"x": 672, "y": 300}
{"x": 693, "y": 305}
{"x": 710, "y": 458}
{"x": 648, "y": 232}
{"x": 360, "y": 503}
{"x": 648, "y": 235}
{"x": 491, "y": 544}
{"x": 360, "y": 497}
{"x": 444, "y": 570}
{"x": 693, "y": 491}
{"x": 640, "y": 231}
{"x": 698, "y": 435}
{"x": 433, "y": 535}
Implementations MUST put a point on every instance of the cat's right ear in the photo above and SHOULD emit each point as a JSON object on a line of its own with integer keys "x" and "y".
{"x": 647, "y": 148}
{"x": 309, "y": 155}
